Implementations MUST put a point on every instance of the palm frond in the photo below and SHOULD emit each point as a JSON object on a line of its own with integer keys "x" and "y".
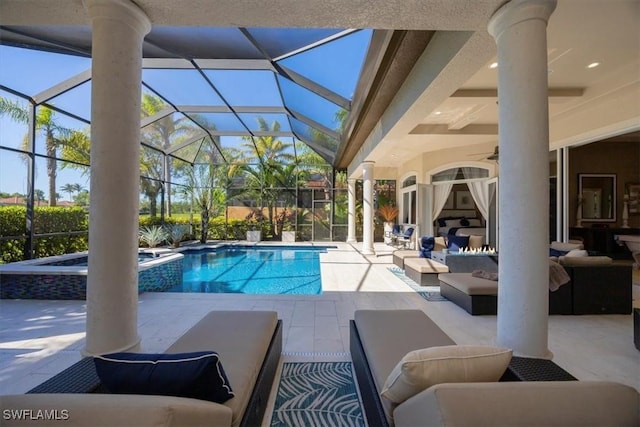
{"x": 317, "y": 394}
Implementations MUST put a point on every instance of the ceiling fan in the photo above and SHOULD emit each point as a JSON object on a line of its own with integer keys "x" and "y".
{"x": 489, "y": 156}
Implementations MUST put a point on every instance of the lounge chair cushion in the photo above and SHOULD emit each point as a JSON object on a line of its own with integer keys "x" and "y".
{"x": 241, "y": 338}
{"x": 420, "y": 369}
{"x": 197, "y": 375}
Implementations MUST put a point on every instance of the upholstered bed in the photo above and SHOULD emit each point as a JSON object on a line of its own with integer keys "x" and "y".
{"x": 460, "y": 227}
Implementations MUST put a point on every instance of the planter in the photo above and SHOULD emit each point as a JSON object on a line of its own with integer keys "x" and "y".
{"x": 254, "y": 235}
{"x": 388, "y": 231}
{"x": 288, "y": 236}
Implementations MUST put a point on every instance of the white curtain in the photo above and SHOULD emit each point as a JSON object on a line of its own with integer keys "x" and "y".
{"x": 440, "y": 196}
{"x": 480, "y": 192}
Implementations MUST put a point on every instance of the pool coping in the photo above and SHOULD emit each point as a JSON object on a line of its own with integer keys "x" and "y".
{"x": 39, "y": 266}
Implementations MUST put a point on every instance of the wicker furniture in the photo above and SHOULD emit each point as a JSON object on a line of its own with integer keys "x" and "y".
{"x": 479, "y": 296}
{"x": 235, "y": 335}
{"x": 547, "y": 396}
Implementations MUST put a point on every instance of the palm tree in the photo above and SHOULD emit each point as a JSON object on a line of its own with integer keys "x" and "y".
{"x": 165, "y": 132}
{"x": 69, "y": 189}
{"x": 39, "y": 196}
{"x": 45, "y": 123}
{"x": 77, "y": 188}
{"x": 267, "y": 175}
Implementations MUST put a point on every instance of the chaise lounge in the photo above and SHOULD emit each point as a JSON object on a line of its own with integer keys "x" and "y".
{"x": 531, "y": 392}
{"x": 249, "y": 344}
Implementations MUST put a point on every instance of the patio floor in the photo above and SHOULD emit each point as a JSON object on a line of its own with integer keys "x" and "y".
{"x": 40, "y": 338}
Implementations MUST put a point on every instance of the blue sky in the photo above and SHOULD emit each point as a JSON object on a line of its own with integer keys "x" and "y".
{"x": 334, "y": 65}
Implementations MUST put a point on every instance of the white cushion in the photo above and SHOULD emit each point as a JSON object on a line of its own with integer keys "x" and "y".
{"x": 452, "y": 223}
{"x": 566, "y": 247}
{"x": 475, "y": 222}
{"x": 420, "y": 369}
{"x": 577, "y": 253}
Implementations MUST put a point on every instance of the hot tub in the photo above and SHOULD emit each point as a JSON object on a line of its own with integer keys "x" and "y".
{"x": 64, "y": 277}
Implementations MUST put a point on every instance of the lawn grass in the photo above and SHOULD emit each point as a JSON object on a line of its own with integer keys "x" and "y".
{"x": 180, "y": 216}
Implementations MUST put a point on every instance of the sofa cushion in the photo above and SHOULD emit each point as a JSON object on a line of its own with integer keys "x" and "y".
{"x": 420, "y": 369}
{"x": 384, "y": 346}
{"x": 577, "y": 253}
{"x": 566, "y": 246}
{"x": 109, "y": 410}
{"x": 526, "y": 403}
{"x": 455, "y": 243}
{"x": 468, "y": 284}
{"x": 476, "y": 242}
{"x": 590, "y": 260}
{"x": 198, "y": 375}
{"x": 242, "y": 339}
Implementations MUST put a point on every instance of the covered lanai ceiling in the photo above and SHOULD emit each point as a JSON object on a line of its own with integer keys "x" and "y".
{"x": 425, "y": 92}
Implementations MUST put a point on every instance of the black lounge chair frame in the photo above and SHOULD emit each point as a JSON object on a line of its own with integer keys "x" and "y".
{"x": 519, "y": 369}
{"x": 82, "y": 377}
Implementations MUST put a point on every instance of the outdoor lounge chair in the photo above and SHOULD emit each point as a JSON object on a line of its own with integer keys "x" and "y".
{"x": 405, "y": 239}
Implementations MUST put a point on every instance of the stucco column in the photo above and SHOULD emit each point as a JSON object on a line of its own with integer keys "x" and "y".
{"x": 519, "y": 28}
{"x": 118, "y": 29}
{"x": 351, "y": 214}
{"x": 367, "y": 208}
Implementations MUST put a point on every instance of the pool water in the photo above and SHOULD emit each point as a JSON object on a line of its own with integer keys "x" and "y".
{"x": 253, "y": 270}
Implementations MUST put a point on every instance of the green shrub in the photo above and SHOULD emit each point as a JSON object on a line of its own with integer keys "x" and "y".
{"x": 46, "y": 220}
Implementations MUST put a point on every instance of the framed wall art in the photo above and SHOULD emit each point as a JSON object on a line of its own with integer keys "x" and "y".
{"x": 464, "y": 200}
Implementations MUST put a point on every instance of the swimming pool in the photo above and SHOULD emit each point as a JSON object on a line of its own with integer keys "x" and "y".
{"x": 252, "y": 270}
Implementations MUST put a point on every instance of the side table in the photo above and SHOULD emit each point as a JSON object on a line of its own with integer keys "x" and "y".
{"x": 531, "y": 369}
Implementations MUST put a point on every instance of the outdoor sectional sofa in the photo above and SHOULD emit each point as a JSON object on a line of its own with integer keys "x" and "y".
{"x": 531, "y": 392}
{"x": 597, "y": 285}
{"x": 249, "y": 344}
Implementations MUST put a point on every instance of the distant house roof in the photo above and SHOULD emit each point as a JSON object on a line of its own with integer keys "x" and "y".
{"x": 20, "y": 201}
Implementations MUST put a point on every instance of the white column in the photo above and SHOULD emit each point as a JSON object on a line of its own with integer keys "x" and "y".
{"x": 118, "y": 29}
{"x": 519, "y": 28}
{"x": 367, "y": 208}
{"x": 351, "y": 227}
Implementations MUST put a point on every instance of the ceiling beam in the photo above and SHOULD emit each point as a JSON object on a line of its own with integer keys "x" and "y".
{"x": 479, "y": 129}
{"x": 493, "y": 93}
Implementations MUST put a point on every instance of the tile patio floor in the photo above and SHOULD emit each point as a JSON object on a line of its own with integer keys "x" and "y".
{"x": 40, "y": 338}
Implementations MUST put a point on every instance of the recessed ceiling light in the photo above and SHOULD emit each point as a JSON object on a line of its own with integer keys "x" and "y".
{"x": 493, "y": 65}
{"x": 437, "y": 113}
{"x": 593, "y": 65}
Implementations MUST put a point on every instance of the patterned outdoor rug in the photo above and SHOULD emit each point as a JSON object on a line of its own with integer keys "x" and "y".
{"x": 430, "y": 293}
{"x": 317, "y": 394}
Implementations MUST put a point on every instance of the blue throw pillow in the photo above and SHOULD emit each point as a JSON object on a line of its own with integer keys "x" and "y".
{"x": 557, "y": 253}
{"x": 197, "y": 375}
{"x": 455, "y": 243}
{"x": 464, "y": 222}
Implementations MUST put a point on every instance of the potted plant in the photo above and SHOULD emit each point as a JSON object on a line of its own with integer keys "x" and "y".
{"x": 286, "y": 220}
{"x": 388, "y": 213}
{"x": 254, "y": 223}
